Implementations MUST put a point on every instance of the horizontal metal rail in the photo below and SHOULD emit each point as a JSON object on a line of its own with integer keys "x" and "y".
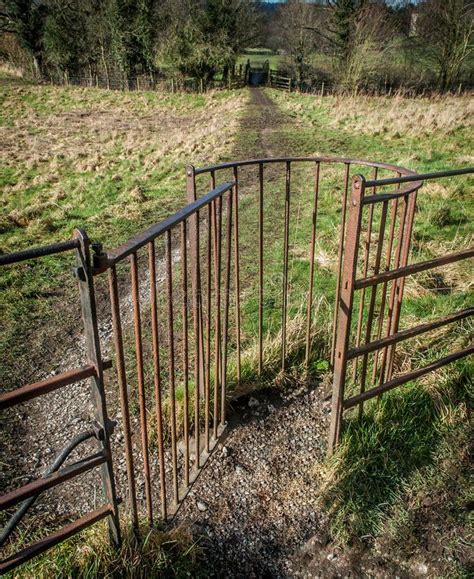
{"x": 134, "y": 244}
{"x": 55, "y": 538}
{"x": 30, "y": 391}
{"x": 363, "y": 162}
{"x": 413, "y": 268}
{"x": 18, "y": 515}
{"x": 35, "y": 252}
{"x": 383, "y": 197}
{"x": 404, "y": 378}
{"x": 42, "y": 484}
{"x": 409, "y": 333}
{"x": 418, "y": 177}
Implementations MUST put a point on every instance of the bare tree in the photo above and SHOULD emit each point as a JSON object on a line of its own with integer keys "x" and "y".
{"x": 297, "y": 19}
{"x": 445, "y": 29}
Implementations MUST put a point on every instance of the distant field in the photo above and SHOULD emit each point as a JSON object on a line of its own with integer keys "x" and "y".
{"x": 257, "y": 60}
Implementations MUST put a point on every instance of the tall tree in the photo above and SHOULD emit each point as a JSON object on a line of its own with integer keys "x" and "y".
{"x": 297, "y": 21}
{"x": 445, "y": 29}
{"x": 25, "y": 19}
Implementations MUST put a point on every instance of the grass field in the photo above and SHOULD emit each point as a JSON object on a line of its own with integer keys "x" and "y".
{"x": 114, "y": 162}
{"x": 258, "y": 57}
{"x": 108, "y": 161}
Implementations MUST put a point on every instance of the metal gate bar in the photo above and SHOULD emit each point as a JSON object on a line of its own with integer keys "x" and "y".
{"x": 343, "y": 353}
{"x": 93, "y": 371}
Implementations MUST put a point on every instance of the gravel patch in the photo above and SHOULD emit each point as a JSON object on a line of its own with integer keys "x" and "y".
{"x": 254, "y": 505}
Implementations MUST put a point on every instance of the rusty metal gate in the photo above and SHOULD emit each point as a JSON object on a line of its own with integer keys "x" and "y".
{"x": 101, "y": 430}
{"x": 349, "y": 346}
{"x": 175, "y": 293}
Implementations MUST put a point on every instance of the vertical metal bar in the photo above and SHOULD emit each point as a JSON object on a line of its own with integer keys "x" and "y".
{"x": 217, "y": 221}
{"x": 226, "y": 306}
{"x": 345, "y": 308}
{"x": 184, "y": 260}
{"x": 157, "y": 376}
{"x": 390, "y": 312}
{"x": 339, "y": 261}
{"x": 122, "y": 381}
{"x": 172, "y": 384}
{"x": 141, "y": 385}
{"x": 373, "y": 296}
{"x": 260, "y": 269}
{"x": 401, "y": 281}
{"x": 388, "y": 259}
{"x": 217, "y": 319}
{"x": 208, "y": 329}
{"x": 237, "y": 271}
{"x": 94, "y": 356}
{"x": 364, "y": 274}
{"x": 311, "y": 264}
{"x": 197, "y": 340}
{"x": 197, "y": 313}
{"x": 285, "y": 265}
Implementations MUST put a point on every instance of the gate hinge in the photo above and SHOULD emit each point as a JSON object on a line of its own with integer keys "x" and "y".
{"x": 100, "y": 260}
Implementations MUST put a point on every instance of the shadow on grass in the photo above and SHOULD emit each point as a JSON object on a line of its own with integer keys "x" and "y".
{"x": 379, "y": 454}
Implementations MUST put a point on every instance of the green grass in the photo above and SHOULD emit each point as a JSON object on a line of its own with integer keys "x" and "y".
{"x": 258, "y": 60}
{"x": 410, "y": 448}
{"x": 90, "y": 554}
{"x": 136, "y": 177}
{"x": 107, "y": 161}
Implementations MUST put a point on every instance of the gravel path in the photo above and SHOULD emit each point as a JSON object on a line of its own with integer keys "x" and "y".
{"x": 255, "y": 502}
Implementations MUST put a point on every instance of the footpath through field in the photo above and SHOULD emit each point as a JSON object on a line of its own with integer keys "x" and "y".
{"x": 255, "y": 503}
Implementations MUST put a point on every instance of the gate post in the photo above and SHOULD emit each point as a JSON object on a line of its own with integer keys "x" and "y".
{"x": 346, "y": 301}
{"x": 85, "y": 278}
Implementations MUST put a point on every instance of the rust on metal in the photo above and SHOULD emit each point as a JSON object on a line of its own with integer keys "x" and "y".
{"x": 141, "y": 382}
{"x": 286, "y": 243}
{"x": 260, "y": 268}
{"x": 55, "y": 538}
{"x": 122, "y": 381}
{"x": 157, "y": 377}
{"x": 414, "y": 268}
{"x": 409, "y": 333}
{"x": 373, "y": 295}
{"x": 309, "y": 304}
{"x": 172, "y": 384}
{"x": 368, "y": 239}
{"x": 226, "y": 306}
{"x": 30, "y": 391}
{"x": 184, "y": 258}
{"x": 345, "y": 308}
{"x": 408, "y": 377}
{"x": 340, "y": 253}
{"x": 237, "y": 272}
{"x": 42, "y": 484}
{"x": 94, "y": 356}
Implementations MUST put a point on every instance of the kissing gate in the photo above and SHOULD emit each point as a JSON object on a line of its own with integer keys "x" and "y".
{"x": 204, "y": 298}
